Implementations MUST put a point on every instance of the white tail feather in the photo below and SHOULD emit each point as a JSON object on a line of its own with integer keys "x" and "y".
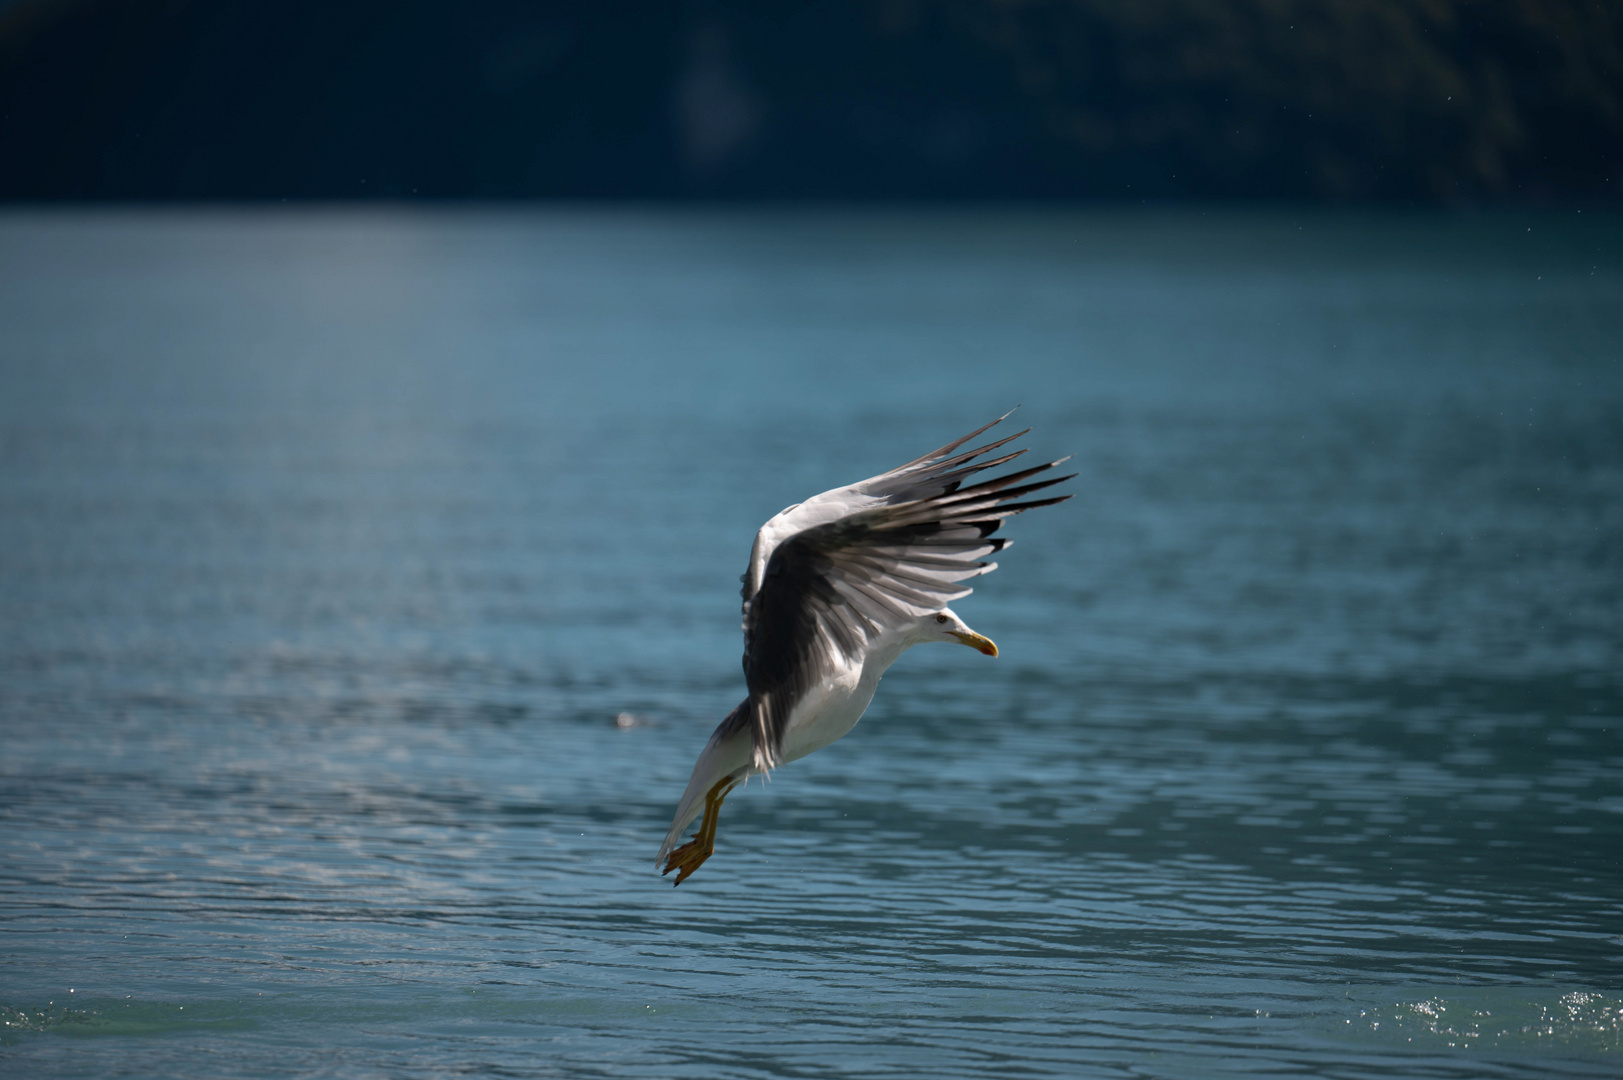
{"x": 726, "y": 754}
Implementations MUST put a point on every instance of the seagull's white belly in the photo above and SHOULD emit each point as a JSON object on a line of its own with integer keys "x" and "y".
{"x": 833, "y": 706}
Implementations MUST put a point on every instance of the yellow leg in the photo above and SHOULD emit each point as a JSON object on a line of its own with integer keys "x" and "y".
{"x": 691, "y": 855}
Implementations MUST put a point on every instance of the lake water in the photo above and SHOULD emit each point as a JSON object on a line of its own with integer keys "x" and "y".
{"x": 333, "y": 542}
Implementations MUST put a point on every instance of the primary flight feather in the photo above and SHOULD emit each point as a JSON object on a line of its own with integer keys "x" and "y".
{"x": 837, "y": 588}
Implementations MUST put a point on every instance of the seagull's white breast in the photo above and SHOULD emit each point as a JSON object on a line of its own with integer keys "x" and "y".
{"x": 834, "y": 705}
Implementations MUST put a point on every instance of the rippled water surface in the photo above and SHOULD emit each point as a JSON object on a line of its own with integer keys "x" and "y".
{"x": 333, "y": 543}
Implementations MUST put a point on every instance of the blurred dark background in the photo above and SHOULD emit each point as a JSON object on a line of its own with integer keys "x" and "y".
{"x": 1395, "y": 100}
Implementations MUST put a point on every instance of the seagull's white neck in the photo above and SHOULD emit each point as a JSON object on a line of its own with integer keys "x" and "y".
{"x": 888, "y": 649}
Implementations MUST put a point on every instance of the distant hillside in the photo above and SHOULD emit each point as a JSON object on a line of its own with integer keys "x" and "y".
{"x": 1341, "y": 99}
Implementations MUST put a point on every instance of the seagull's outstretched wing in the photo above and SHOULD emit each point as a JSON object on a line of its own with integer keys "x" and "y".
{"x": 830, "y": 577}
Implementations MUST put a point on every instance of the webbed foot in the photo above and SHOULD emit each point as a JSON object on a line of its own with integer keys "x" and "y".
{"x": 691, "y": 855}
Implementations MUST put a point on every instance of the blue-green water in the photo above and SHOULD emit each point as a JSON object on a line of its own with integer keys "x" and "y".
{"x": 332, "y": 543}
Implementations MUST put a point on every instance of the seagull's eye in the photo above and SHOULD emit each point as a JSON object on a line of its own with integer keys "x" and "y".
{"x": 940, "y": 618}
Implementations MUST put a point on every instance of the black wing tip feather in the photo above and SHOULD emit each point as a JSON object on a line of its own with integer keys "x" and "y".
{"x": 978, "y": 502}
{"x": 994, "y": 520}
{"x": 954, "y": 478}
{"x": 1027, "y": 489}
{"x": 948, "y": 464}
{"x": 1017, "y": 508}
{"x": 999, "y": 482}
{"x": 943, "y": 451}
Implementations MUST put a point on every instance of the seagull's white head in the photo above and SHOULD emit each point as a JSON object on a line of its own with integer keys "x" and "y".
{"x": 945, "y": 625}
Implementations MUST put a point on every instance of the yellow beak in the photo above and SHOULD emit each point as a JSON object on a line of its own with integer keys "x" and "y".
{"x": 975, "y": 641}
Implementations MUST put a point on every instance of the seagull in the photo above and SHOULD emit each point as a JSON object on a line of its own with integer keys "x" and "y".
{"x": 837, "y": 588}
